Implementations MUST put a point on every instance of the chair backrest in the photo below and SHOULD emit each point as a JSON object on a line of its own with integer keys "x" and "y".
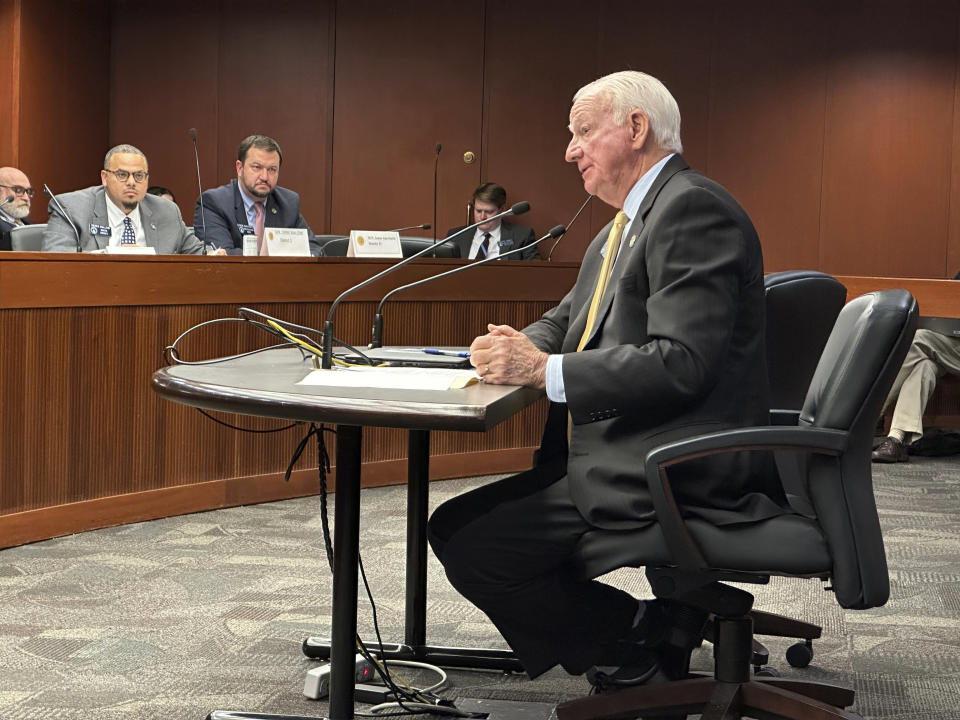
{"x": 413, "y": 245}
{"x": 802, "y": 306}
{"x": 27, "y": 237}
{"x": 334, "y": 245}
{"x": 856, "y": 370}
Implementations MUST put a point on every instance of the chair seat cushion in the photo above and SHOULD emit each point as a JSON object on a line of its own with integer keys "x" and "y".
{"x": 783, "y": 545}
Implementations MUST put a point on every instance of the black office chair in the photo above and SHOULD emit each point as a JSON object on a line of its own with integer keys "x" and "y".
{"x": 333, "y": 245}
{"x": 802, "y": 307}
{"x": 413, "y": 245}
{"x": 687, "y": 560}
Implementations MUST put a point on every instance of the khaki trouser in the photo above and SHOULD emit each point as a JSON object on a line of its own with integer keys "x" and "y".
{"x": 931, "y": 356}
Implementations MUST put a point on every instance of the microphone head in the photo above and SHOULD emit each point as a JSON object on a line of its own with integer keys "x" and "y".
{"x": 439, "y": 146}
{"x": 193, "y": 134}
{"x": 520, "y": 208}
{"x": 7, "y": 200}
{"x": 425, "y": 226}
{"x": 557, "y": 231}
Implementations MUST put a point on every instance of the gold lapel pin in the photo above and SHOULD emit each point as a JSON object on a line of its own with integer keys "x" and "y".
{"x": 633, "y": 239}
{"x": 273, "y": 210}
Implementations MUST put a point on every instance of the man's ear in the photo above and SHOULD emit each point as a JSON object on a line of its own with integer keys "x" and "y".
{"x": 639, "y": 128}
{"x": 239, "y": 167}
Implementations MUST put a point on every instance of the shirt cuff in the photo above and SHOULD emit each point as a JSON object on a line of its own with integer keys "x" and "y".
{"x": 555, "y": 389}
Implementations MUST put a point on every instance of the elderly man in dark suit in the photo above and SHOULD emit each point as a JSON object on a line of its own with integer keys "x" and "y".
{"x": 661, "y": 337}
{"x": 495, "y": 237}
{"x": 118, "y": 212}
{"x": 250, "y": 203}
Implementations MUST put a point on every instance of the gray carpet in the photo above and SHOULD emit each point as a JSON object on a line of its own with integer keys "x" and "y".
{"x": 178, "y": 617}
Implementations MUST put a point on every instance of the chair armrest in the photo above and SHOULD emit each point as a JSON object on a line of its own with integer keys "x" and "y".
{"x": 682, "y": 547}
{"x": 781, "y": 416}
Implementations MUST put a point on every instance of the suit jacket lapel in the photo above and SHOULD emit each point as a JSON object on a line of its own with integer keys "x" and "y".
{"x": 101, "y": 218}
{"x": 239, "y": 212}
{"x": 632, "y": 231}
{"x": 150, "y": 234}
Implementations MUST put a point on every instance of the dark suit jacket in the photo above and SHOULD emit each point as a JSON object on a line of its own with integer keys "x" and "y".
{"x": 511, "y": 237}
{"x": 224, "y": 215}
{"x": 5, "y": 227}
{"x": 678, "y": 349}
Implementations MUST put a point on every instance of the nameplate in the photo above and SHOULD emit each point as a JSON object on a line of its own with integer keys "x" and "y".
{"x": 374, "y": 244}
{"x": 130, "y": 250}
{"x": 286, "y": 242}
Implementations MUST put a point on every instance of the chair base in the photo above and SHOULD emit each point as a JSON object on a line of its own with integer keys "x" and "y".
{"x": 763, "y": 698}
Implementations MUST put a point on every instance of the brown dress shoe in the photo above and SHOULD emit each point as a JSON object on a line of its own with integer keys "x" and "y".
{"x": 890, "y": 450}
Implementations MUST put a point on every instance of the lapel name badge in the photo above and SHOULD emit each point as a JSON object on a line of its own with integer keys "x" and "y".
{"x": 102, "y": 230}
{"x": 245, "y": 229}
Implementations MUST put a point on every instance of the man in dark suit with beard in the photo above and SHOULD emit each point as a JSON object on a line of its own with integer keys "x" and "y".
{"x": 660, "y": 338}
{"x": 251, "y": 202}
{"x": 496, "y": 237}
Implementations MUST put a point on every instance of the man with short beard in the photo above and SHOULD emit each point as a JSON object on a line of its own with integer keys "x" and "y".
{"x": 118, "y": 212}
{"x": 15, "y": 196}
{"x": 252, "y": 202}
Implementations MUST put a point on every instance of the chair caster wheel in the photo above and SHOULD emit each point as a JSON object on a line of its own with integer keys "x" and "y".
{"x": 766, "y": 672}
{"x": 800, "y": 654}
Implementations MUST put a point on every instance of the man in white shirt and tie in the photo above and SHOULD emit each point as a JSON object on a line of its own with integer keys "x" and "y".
{"x": 118, "y": 212}
{"x": 496, "y": 237}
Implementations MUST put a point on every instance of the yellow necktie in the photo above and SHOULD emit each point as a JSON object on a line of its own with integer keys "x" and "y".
{"x": 609, "y": 257}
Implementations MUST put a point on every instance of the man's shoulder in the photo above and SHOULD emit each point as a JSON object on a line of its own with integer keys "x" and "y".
{"x": 82, "y": 199}
{"x": 159, "y": 206}
{"x": 285, "y": 195}
{"x": 222, "y": 193}
{"x": 455, "y": 230}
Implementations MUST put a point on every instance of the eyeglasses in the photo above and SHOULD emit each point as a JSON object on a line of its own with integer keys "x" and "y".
{"x": 19, "y": 190}
{"x": 124, "y": 175}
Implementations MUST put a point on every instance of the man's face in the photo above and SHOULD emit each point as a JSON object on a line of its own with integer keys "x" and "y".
{"x": 126, "y": 193}
{"x": 605, "y": 153}
{"x": 13, "y": 182}
{"x": 259, "y": 172}
{"x": 483, "y": 210}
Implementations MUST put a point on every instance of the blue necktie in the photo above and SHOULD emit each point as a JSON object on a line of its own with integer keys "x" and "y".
{"x": 128, "y": 236}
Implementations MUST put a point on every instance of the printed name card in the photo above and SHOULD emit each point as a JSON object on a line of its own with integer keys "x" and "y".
{"x": 374, "y": 244}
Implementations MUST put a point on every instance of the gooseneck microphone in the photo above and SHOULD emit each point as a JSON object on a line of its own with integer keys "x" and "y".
{"x": 203, "y": 218}
{"x": 327, "y": 338}
{"x": 53, "y": 198}
{"x": 9, "y": 199}
{"x": 377, "y": 341}
{"x": 423, "y": 226}
{"x": 569, "y": 225}
{"x": 436, "y": 170}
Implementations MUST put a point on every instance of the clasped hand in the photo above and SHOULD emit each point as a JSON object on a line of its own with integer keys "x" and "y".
{"x": 505, "y": 356}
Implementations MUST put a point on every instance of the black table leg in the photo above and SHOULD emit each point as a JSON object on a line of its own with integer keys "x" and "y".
{"x": 346, "y": 549}
{"x": 414, "y": 646}
{"x": 341, "y": 649}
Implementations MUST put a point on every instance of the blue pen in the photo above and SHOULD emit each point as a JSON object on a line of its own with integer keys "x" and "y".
{"x": 451, "y": 353}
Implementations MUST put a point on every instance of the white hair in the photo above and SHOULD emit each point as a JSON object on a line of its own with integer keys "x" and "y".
{"x": 630, "y": 90}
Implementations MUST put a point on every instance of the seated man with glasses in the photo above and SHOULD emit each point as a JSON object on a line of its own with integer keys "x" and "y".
{"x": 252, "y": 202}
{"x": 496, "y": 237}
{"x": 118, "y": 212}
{"x": 15, "y": 197}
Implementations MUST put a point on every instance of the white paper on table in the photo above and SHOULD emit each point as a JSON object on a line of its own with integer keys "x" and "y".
{"x": 393, "y": 378}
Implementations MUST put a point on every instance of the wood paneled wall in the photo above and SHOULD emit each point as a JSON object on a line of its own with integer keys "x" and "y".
{"x": 834, "y": 123}
{"x": 55, "y": 91}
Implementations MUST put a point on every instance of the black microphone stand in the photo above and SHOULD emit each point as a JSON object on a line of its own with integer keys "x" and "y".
{"x": 326, "y": 343}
